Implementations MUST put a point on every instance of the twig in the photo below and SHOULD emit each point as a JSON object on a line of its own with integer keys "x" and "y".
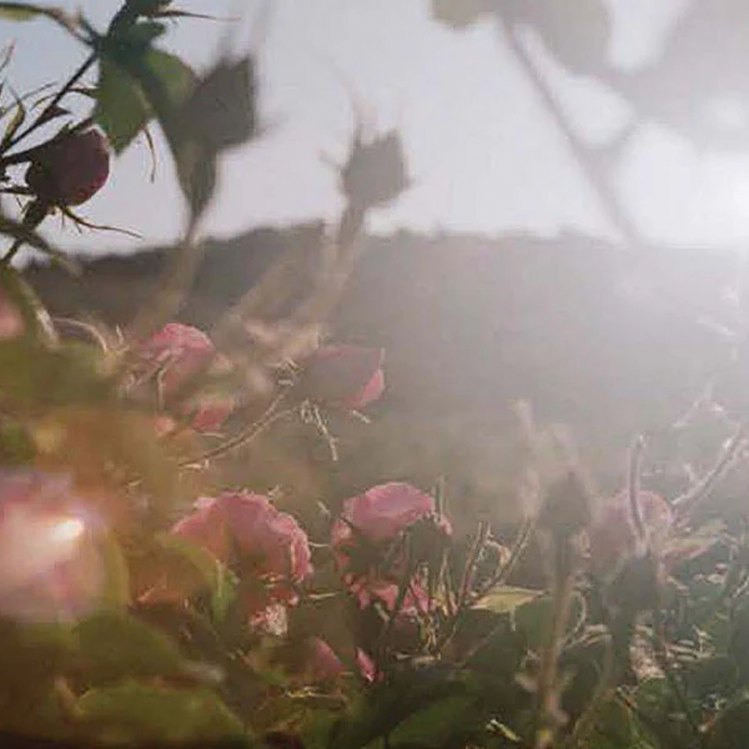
{"x": 687, "y": 502}
{"x": 44, "y": 114}
{"x": 635, "y": 462}
{"x": 269, "y": 417}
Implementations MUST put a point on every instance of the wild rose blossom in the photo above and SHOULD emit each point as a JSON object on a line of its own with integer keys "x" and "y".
{"x": 71, "y": 170}
{"x": 361, "y": 537}
{"x": 344, "y": 376}
{"x": 262, "y": 544}
{"x": 180, "y": 352}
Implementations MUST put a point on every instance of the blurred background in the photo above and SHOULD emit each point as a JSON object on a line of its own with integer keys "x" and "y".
{"x": 653, "y": 92}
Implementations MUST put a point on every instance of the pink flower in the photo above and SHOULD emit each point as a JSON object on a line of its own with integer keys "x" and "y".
{"x": 50, "y": 565}
{"x": 70, "y": 170}
{"x": 248, "y": 533}
{"x": 11, "y": 321}
{"x": 326, "y": 666}
{"x": 383, "y": 512}
{"x": 346, "y": 377}
{"x": 179, "y": 353}
{"x": 613, "y": 537}
{"x": 361, "y": 538}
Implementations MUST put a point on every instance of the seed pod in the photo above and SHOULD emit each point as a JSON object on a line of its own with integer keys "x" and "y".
{"x": 70, "y": 170}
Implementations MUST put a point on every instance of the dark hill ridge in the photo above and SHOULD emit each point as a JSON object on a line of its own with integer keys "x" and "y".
{"x": 606, "y": 340}
{"x": 467, "y": 320}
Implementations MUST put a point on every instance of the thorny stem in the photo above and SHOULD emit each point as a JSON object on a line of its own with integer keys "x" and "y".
{"x": 269, "y": 417}
{"x": 687, "y": 502}
{"x": 600, "y": 186}
{"x": 635, "y": 462}
{"x": 547, "y": 687}
{"x": 44, "y": 114}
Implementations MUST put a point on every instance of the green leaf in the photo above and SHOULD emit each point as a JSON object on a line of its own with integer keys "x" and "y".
{"x": 115, "y": 646}
{"x": 533, "y": 619}
{"x": 134, "y": 713}
{"x": 116, "y": 589}
{"x": 31, "y": 11}
{"x": 433, "y": 726}
{"x": 505, "y": 599}
{"x": 123, "y": 108}
{"x": 16, "y": 121}
{"x": 186, "y": 567}
{"x": 221, "y": 113}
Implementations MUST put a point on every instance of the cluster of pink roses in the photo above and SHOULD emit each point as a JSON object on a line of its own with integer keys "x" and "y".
{"x": 341, "y": 376}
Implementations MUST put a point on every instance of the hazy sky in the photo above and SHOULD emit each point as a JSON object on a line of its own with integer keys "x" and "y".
{"x": 484, "y": 152}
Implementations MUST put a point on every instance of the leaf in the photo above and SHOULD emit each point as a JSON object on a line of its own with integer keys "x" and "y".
{"x": 221, "y": 112}
{"x": 135, "y": 713}
{"x": 18, "y": 119}
{"x": 116, "y": 589}
{"x": 123, "y": 108}
{"x": 505, "y": 599}
{"x": 533, "y": 618}
{"x": 114, "y": 646}
{"x": 186, "y": 568}
{"x": 432, "y": 727}
{"x": 30, "y": 11}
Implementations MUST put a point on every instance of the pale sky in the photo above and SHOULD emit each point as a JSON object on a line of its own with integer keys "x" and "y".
{"x": 484, "y": 152}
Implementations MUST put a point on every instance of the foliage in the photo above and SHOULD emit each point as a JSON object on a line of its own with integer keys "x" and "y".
{"x": 142, "y": 599}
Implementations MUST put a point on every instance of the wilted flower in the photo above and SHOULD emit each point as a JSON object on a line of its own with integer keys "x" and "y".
{"x": 344, "y": 376}
{"x": 613, "y": 537}
{"x": 71, "y": 169}
{"x": 50, "y": 567}
{"x": 260, "y": 543}
{"x": 362, "y": 538}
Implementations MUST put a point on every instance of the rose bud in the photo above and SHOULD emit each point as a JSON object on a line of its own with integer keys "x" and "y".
{"x": 375, "y": 172}
{"x": 70, "y": 170}
{"x": 346, "y": 377}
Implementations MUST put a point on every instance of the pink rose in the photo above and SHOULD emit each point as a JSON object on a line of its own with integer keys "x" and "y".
{"x": 361, "y": 538}
{"x": 381, "y": 513}
{"x": 613, "y": 537}
{"x": 179, "y": 353}
{"x": 346, "y": 377}
{"x": 50, "y": 565}
{"x": 246, "y": 532}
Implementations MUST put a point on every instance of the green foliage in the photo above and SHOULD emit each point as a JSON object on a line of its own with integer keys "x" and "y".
{"x": 132, "y": 712}
{"x": 114, "y": 646}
